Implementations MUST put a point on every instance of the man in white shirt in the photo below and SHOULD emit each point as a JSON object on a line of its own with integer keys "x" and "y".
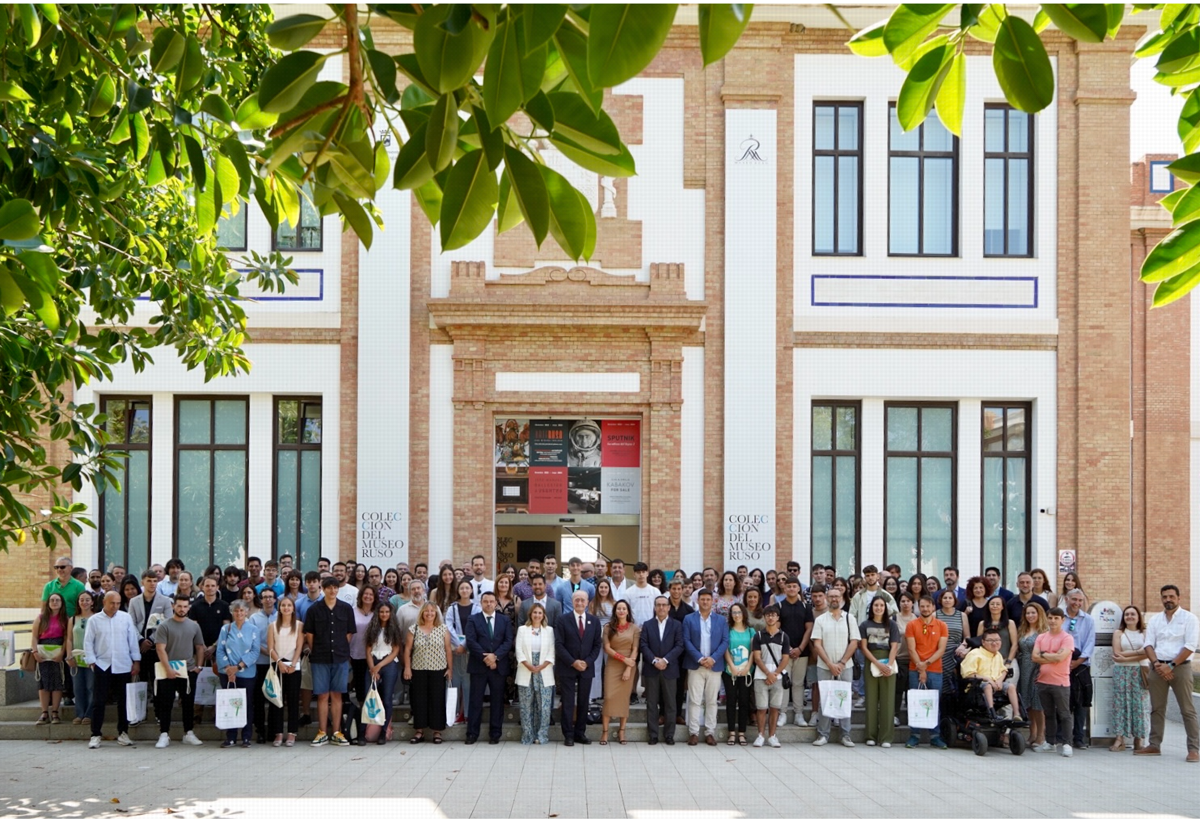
{"x": 111, "y": 650}
{"x": 641, "y": 595}
{"x": 347, "y": 592}
{"x": 618, "y": 579}
{"x": 1172, "y": 637}
{"x": 708, "y": 581}
{"x": 479, "y": 583}
{"x": 834, "y": 639}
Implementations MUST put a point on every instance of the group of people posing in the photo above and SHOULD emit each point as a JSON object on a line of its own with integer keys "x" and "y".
{"x": 683, "y": 644}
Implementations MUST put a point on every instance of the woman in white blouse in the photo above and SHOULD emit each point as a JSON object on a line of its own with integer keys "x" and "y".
{"x": 535, "y": 676}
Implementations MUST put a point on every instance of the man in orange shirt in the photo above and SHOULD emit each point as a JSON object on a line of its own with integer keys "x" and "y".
{"x": 926, "y": 638}
{"x": 1053, "y": 651}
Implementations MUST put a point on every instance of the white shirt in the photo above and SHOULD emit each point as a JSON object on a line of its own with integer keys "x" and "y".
{"x": 1166, "y": 638}
{"x": 167, "y": 589}
{"x": 478, "y": 587}
{"x": 111, "y": 643}
{"x": 835, "y": 634}
{"x": 348, "y": 594}
{"x": 618, "y": 589}
{"x": 641, "y": 602}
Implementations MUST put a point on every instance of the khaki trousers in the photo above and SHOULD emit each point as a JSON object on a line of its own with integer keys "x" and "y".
{"x": 1181, "y": 685}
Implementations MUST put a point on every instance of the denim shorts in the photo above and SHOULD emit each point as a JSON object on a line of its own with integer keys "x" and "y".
{"x": 329, "y": 676}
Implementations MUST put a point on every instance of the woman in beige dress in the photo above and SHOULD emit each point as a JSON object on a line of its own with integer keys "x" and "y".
{"x": 621, "y": 639}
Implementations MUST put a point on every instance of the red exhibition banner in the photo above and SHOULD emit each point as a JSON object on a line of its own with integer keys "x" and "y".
{"x": 547, "y": 489}
{"x": 621, "y": 443}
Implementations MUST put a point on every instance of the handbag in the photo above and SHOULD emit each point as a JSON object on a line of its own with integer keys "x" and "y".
{"x": 786, "y": 679}
{"x": 8, "y": 648}
{"x": 372, "y": 710}
{"x": 923, "y": 708}
{"x": 206, "y": 688}
{"x": 29, "y": 662}
{"x": 272, "y": 687}
{"x": 135, "y": 702}
{"x": 835, "y": 699}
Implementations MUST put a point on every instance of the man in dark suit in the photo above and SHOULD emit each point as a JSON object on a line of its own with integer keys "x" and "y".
{"x": 662, "y": 647}
{"x": 552, "y": 606}
{"x": 489, "y": 643}
{"x": 576, "y": 646}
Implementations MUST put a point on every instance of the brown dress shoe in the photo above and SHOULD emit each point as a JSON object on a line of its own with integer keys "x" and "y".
{"x": 1148, "y": 750}
{"x": 1193, "y": 757}
{"x": 680, "y": 721}
{"x": 710, "y": 740}
{"x": 693, "y": 740}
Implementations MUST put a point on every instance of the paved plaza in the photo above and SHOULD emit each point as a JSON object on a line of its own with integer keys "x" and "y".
{"x": 399, "y": 781}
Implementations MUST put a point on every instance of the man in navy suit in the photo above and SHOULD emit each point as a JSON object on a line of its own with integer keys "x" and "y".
{"x": 705, "y": 640}
{"x": 489, "y": 643}
{"x": 662, "y": 646}
{"x": 576, "y": 646}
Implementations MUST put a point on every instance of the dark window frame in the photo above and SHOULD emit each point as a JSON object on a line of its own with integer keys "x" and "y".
{"x": 955, "y": 191}
{"x": 918, "y": 454}
{"x": 837, "y": 154}
{"x": 276, "y": 447}
{"x": 1006, "y": 156}
{"x": 211, "y": 448}
{"x": 126, "y": 446}
{"x": 836, "y": 453}
{"x": 320, "y": 227}
{"x": 1027, "y": 455}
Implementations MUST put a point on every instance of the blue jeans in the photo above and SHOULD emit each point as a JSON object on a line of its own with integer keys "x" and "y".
{"x": 388, "y": 675}
{"x": 84, "y": 680}
{"x": 933, "y": 682}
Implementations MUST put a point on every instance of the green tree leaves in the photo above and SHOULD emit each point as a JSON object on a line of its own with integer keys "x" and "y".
{"x": 721, "y": 24}
{"x": 284, "y": 85}
{"x": 1022, "y": 66}
{"x": 624, "y": 38}
{"x": 470, "y": 201}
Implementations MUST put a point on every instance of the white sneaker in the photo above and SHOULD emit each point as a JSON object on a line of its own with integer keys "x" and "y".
{"x": 124, "y": 740}
{"x": 885, "y": 745}
{"x": 801, "y": 720}
{"x": 846, "y": 742}
{"x": 895, "y": 721}
{"x": 1044, "y": 747}
{"x": 820, "y": 742}
{"x": 164, "y": 741}
{"x": 1066, "y": 751}
{"x": 94, "y": 742}
{"x": 191, "y": 740}
{"x": 759, "y": 741}
{"x": 870, "y": 743}
{"x": 774, "y": 741}
{"x": 860, "y": 703}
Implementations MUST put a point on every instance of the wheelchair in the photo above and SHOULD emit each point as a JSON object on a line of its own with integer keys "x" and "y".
{"x": 965, "y": 721}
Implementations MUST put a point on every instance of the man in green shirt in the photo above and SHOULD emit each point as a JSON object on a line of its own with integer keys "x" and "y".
{"x": 65, "y": 585}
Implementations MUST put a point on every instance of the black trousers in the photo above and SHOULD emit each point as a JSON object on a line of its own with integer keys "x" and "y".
{"x": 660, "y": 700}
{"x": 291, "y": 703}
{"x": 576, "y": 686}
{"x": 427, "y": 694}
{"x": 739, "y": 702}
{"x": 107, "y": 681}
{"x": 493, "y": 680}
{"x": 164, "y": 700}
{"x": 259, "y": 701}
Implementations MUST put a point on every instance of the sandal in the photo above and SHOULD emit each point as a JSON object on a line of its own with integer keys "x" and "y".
{"x": 43, "y": 719}
{"x": 732, "y": 742}
{"x": 1118, "y": 745}
{"x": 291, "y": 741}
{"x": 621, "y": 736}
{"x": 437, "y": 738}
{"x": 417, "y": 739}
{"x": 742, "y": 742}
{"x": 54, "y": 718}
{"x": 604, "y": 740}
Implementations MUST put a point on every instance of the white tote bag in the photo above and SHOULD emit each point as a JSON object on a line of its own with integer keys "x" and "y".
{"x": 135, "y": 702}
{"x": 835, "y": 699}
{"x": 923, "y": 708}
{"x": 231, "y": 708}
{"x": 372, "y": 710}
{"x": 8, "y": 648}
{"x": 451, "y": 705}
{"x": 207, "y": 684}
{"x": 272, "y": 687}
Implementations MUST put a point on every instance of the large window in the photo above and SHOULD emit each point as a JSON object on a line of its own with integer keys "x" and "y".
{"x": 835, "y": 477}
{"x": 922, "y": 189}
{"x": 298, "y": 479}
{"x": 1007, "y": 182}
{"x": 1006, "y": 489}
{"x": 837, "y": 179}
{"x": 919, "y": 487}
{"x": 125, "y": 513}
{"x": 211, "y": 504}
{"x": 306, "y": 236}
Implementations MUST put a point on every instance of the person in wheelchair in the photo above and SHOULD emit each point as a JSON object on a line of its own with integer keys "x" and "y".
{"x": 987, "y": 665}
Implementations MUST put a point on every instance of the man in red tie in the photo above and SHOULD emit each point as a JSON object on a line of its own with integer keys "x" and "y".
{"x": 577, "y": 644}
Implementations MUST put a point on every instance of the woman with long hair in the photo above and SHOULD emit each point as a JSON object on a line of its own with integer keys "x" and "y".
{"x": 760, "y": 580}
{"x": 446, "y": 591}
{"x": 1033, "y": 623}
{"x": 620, "y": 638}
{"x": 364, "y": 612}
{"x": 880, "y": 644}
{"x": 738, "y": 675}
{"x": 916, "y": 587}
{"x": 1071, "y": 581}
{"x": 83, "y": 676}
{"x": 293, "y": 586}
{"x": 657, "y": 579}
{"x": 1041, "y": 586}
{"x": 534, "y": 648}
{"x": 754, "y": 609}
{"x": 252, "y": 599}
{"x": 285, "y": 646}
{"x": 428, "y": 667}
{"x": 383, "y": 645}
{"x": 907, "y": 613}
{"x": 130, "y": 589}
{"x": 956, "y": 623}
{"x": 891, "y": 586}
{"x": 977, "y": 598}
{"x": 601, "y": 606}
{"x": 49, "y": 635}
{"x": 1128, "y": 717}
{"x": 457, "y": 616}
{"x": 359, "y": 577}
{"x": 996, "y": 618}
{"x": 507, "y": 604}
{"x": 729, "y": 592}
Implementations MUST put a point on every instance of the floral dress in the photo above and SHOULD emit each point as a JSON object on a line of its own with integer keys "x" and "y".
{"x": 1128, "y": 697}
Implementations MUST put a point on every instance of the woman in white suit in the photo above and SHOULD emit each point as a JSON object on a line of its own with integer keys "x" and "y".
{"x": 535, "y": 676}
